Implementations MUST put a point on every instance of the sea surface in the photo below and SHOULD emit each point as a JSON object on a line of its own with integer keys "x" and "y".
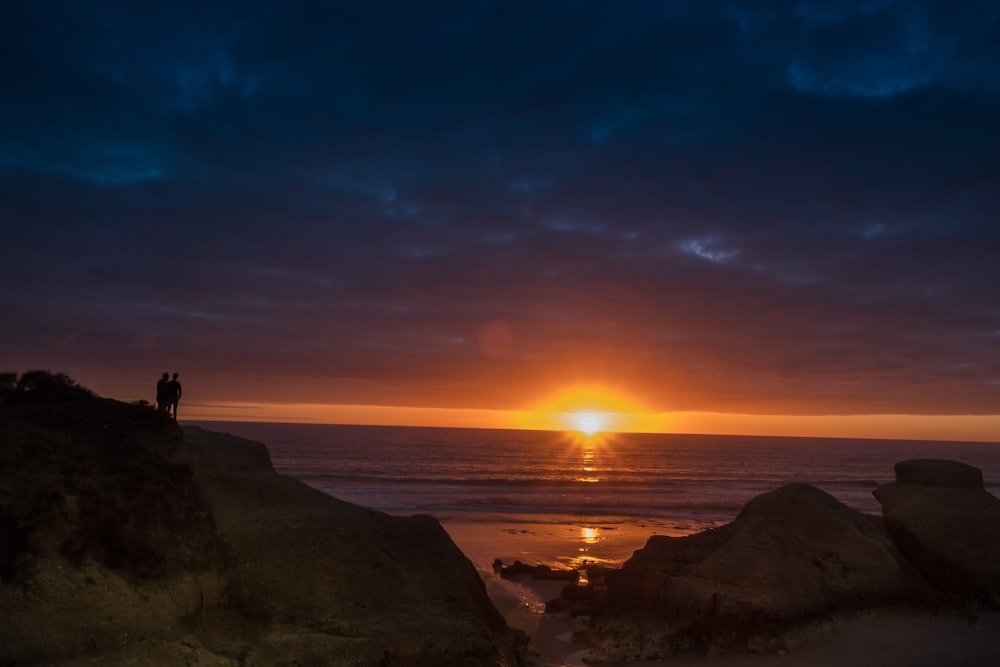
{"x": 675, "y": 483}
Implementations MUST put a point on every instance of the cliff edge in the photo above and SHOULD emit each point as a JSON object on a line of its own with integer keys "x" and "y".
{"x": 125, "y": 540}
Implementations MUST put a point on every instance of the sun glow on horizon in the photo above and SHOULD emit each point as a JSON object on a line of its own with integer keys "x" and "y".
{"x": 589, "y": 423}
{"x": 564, "y": 416}
{"x": 589, "y": 410}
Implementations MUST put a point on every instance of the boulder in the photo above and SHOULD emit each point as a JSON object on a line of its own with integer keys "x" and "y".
{"x": 947, "y": 525}
{"x": 938, "y": 472}
{"x": 792, "y": 558}
{"x": 328, "y": 582}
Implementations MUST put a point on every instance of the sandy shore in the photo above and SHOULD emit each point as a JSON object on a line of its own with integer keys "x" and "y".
{"x": 552, "y": 544}
{"x": 876, "y": 640}
{"x": 522, "y": 603}
{"x": 522, "y": 600}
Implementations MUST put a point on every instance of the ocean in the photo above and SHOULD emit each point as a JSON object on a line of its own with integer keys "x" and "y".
{"x": 558, "y": 498}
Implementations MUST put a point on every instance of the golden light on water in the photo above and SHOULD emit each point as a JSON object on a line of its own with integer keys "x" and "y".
{"x": 588, "y": 445}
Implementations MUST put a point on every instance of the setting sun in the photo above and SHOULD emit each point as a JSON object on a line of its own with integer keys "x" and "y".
{"x": 589, "y": 423}
{"x": 590, "y": 410}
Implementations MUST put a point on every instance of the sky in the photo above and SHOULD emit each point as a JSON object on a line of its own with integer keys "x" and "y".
{"x": 719, "y": 215}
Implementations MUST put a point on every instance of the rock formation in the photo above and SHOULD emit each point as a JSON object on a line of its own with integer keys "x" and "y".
{"x": 519, "y": 569}
{"x": 792, "y": 557}
{"x": 125, "y": 541}
{"x": 947, "y": 525}
{"x": 795, "y": 557}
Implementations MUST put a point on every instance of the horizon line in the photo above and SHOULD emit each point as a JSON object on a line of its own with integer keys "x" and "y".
{"x": 949, "y": 428}
{"x": 598, "y": 433}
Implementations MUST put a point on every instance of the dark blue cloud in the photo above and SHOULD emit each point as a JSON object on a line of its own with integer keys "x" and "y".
{"x": 731, "y": 206}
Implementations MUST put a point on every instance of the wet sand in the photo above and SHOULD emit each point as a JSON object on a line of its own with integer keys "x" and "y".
{"x": 522, "y": 603}
{"x": 563, "y": 545}
{"x": 522, "y": 600}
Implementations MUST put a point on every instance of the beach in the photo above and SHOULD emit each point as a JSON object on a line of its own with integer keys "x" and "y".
{"x": 572, "y": 544}
{"x": 522, "y": 600}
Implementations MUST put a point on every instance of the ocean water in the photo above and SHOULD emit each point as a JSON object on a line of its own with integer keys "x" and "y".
{"x": 670, "y": 482}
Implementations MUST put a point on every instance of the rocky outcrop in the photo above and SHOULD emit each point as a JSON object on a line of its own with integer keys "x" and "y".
{"x": 125, "y": 541}
{"x": 793, "y": 557}
{"x": 947, "y": 525}
{"x": 796, "y": 557}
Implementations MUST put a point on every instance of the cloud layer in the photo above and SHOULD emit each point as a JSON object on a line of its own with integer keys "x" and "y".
{"x": 745, "y": 206}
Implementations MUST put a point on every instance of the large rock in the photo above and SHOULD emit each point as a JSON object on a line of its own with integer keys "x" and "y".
{"x": 947, "y": 525}
{"x": 124, "y": 541}
{"x": 790, "y": 559}
{"x": 334, "y": 583}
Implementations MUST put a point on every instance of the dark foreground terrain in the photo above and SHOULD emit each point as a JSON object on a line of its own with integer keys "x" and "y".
{"x": 125, "y": 540}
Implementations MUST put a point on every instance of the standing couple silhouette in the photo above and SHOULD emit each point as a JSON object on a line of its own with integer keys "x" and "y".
{"x": 168, "y": 394}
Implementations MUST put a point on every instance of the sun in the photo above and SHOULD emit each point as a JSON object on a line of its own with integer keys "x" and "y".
{"x": 593, "y": 411}
{"x": 588, "y": 423}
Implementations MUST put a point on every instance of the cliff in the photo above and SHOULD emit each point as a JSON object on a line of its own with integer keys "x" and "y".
{"x": 125, "y": 540}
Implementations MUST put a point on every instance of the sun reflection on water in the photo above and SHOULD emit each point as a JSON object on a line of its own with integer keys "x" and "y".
{"x": 588, "y": 466}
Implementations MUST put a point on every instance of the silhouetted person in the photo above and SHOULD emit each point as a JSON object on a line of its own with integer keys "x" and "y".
{"x": 173, "y": 390}
{"x": 162, "y": 395}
